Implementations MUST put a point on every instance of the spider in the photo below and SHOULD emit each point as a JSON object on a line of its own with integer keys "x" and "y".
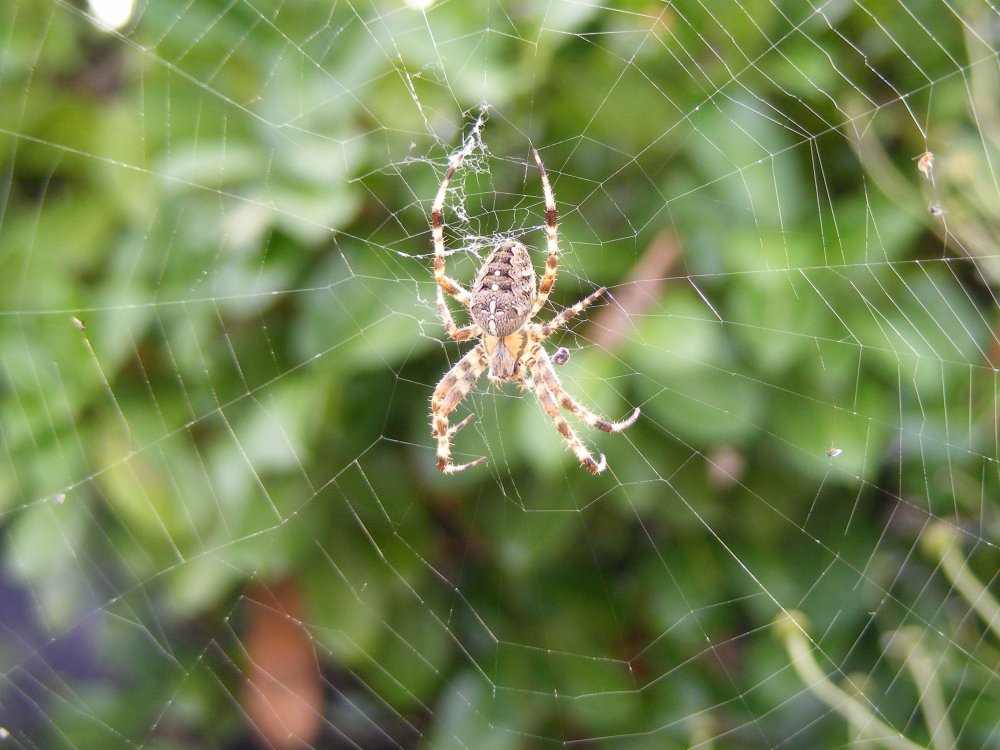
{"x": 502, "y": 301}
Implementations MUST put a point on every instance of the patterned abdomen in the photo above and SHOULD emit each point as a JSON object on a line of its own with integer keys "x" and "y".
{"x": 504, "y": 290}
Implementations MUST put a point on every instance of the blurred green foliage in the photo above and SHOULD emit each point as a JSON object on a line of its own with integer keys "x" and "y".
{"x": 230, "y": 199}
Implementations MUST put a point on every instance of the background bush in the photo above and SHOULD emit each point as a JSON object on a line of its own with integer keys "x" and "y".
{"x": 218, "y": 342}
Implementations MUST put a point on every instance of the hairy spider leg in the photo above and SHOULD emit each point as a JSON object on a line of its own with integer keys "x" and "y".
{"x": 448, "y": 284}
{"x": 551, "y": 238}
{"x": 544, "y": 370}
{"x": 450, "y": 391}
{"x": 551, "y": 406}
{"x": 547, "y": 329}
{"x": 464, "y": 333}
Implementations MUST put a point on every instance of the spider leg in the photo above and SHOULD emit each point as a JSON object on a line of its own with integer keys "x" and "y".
{"x": 547, "y": 329}
{"x": 446, "y": 283}
{"x": 552, "y": 240}
{"x": 470, "y": 331}
{"x": 544, "y": 370}
{"x": 550, "y": 404}
{"x": 454, "y": 386}
{"x": 524, "y": 379}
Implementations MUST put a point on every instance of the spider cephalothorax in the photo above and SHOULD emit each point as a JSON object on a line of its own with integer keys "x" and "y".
{"x": 502, "y": 302}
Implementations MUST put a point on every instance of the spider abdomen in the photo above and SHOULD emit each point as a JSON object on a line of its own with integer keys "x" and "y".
{"x": 503, "y": 290}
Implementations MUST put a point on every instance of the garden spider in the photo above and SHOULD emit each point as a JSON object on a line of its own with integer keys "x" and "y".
{"x": 502, "y": 301}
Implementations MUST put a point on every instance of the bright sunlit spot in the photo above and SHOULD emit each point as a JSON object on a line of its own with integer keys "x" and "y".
{"x": 111, "y": 15}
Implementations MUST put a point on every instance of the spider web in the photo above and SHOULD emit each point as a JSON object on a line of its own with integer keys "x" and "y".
{"x": 222, "y": 522}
